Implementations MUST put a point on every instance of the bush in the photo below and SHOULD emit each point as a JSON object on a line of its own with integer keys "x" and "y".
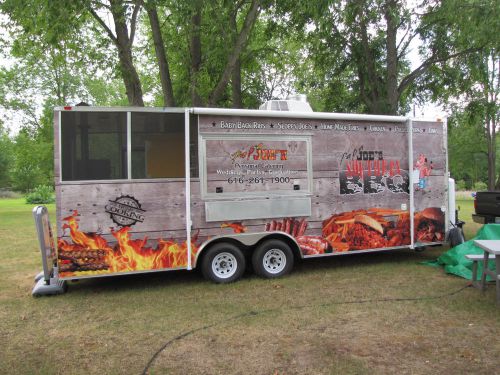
{"x": 41, "y": 194}
{"x": 460, "y": 185}
{"x": 480, "y": 186}
{"x": 7, "y": 193}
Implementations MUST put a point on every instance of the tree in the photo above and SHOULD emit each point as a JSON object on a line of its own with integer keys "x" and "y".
{"x": 161, "y": 54}
{"x": 370, "y": 41}
{"x": 5, "y": 157}
{"x": 481, "y": 109}
{"x": 33, "y": 152}
{"x": 191, "y": 56}
{"x": 124, "y": 15}
{"x": 471, "y": 82}
{"x": 467, "y": 151}
{"x": 67, "y": 27}
{"x": 484, "y": 101}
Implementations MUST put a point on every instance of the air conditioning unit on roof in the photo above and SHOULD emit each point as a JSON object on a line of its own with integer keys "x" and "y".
{"x": 293, "y": 103}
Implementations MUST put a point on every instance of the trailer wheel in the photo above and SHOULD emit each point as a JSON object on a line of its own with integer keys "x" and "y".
{"x": 223, "y": 263}
{"x": 272, "y": 258}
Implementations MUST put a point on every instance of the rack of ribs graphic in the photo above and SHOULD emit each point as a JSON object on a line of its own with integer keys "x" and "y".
{"x": 363, "y": 229}
{"x": 310, "y": 245}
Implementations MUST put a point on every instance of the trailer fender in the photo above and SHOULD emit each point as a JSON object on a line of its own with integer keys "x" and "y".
{"x": 249, "y": 240}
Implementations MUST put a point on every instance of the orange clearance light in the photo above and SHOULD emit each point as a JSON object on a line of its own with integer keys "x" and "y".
{"x": 68, "y": 108}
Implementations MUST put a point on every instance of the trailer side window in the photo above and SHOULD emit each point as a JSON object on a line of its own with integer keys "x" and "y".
{"x": 158, "y": 141}
{"x": 93, "y": 146}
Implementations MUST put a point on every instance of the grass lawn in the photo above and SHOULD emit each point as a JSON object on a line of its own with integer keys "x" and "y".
{"x": 340, "y": 315}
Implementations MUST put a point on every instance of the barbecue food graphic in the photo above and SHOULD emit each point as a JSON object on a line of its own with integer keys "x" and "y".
{"x": 236, "y": 226}
{"x": 82, "y": 260}
{"x": 429, "y": 225}
{"x": 91, "y": 254}
{"x": 367, "y": 229}
{"x": 372, "y": 228}
{"x": 310, "y": 245}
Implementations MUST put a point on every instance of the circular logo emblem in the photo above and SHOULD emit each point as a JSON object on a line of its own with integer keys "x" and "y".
{"x": 125, "y": 211}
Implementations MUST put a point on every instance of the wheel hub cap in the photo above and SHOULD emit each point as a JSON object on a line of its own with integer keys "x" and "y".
{"x": 224, "y": 265}
{"x": 274, "y": 261}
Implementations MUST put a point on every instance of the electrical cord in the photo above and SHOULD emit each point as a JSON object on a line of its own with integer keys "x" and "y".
{"x": 300, "y": 307}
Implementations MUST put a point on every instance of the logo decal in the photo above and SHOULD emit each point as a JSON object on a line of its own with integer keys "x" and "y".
{"x": 125, "y": 211}
{"x": 259, "y": 152}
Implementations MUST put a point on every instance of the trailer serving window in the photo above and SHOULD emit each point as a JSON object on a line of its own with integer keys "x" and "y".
{"x": 93, "y": 145}
{"x": 239, "y": 165}
{"x": 158, "y": 145}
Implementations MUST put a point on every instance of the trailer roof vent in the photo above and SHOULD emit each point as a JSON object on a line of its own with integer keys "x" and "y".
{"x": 293, "y": 103}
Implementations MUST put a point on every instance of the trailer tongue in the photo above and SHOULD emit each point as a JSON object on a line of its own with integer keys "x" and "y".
{"x": 152, "y": 189}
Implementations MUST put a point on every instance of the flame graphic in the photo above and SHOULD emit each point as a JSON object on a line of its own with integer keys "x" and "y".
{"x": 90, "y": 253}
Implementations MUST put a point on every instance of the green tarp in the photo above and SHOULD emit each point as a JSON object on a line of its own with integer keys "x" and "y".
{"x": 454, "y": 260}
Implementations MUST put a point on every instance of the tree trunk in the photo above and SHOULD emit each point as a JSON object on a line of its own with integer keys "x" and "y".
{"x": 491, "y": 139}
{"x": 491, "y": 169}
{"x": 391, "y": 58}
{"x": 491, "y": 86}
{"x": 236, "y": 85}
{"x": 161, "y": 56}
{"x": 124, "y": 46}
{"x": 371, "y": 93}
{"x": 195, "y": 51}
{"x": 238, "y": 47}
{"x": 236, "y": 75}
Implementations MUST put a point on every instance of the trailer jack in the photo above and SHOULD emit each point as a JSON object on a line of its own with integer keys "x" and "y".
{"x": 47, "y": 281}
{"x": 53, "y": 286}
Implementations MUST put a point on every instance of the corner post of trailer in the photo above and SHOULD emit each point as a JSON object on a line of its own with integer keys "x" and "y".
{"x": 187, "y": 151}
{"x": 129, "y": 145}
{"x": 409, "y": 124}
{"x": 450, "y": 210}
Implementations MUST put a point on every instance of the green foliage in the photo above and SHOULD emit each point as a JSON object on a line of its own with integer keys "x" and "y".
{"x": 467, "y": 149}
{"x": 460, "y": 185}
{"x": 477, "y": 115}
{"x": 33, "y": 156}
{"x": 42, "y": 194}
{"x": 5, "y": 157}
{"x": 480, "y": 186}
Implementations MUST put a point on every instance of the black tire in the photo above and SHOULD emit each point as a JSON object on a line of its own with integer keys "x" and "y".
{"x": 456, "y": 237}
{"x": 223, "y": 263}
{"x": 272, "y": 258}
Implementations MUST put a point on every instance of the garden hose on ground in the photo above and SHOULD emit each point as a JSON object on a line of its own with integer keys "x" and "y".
{"x": 254, "y": 313}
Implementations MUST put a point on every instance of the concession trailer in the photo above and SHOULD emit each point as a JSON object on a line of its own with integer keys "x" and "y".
{"x": 155, "y": 189}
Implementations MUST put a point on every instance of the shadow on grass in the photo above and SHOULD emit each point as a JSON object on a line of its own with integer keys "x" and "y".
{"x": 185, "y": 279}
{"x": 149, "y": 280}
